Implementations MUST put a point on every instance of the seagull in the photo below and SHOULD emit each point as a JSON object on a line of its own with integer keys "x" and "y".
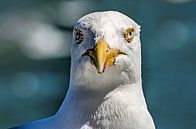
{"x": 105, "y": 90}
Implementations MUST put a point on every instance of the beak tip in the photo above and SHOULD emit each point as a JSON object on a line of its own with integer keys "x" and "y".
{"x": 100, "y": 71}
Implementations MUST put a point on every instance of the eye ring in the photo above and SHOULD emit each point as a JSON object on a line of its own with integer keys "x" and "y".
{"x": 129, "y": 34}
{"x": 79, "y": 36}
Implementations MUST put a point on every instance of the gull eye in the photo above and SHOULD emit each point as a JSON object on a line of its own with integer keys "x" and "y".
{"x": 128, "y": 34}
{"x": 79, "y": 36}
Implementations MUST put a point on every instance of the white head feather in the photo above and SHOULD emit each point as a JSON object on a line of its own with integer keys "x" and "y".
{"x": 111, "y": 25}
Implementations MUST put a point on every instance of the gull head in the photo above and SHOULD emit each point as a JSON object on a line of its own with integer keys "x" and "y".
{"x": 105, "y": 51}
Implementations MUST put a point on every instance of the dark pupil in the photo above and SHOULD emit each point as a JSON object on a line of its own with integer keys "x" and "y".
{"x": 79, "y": 37}
{"x": 130, "y": 33}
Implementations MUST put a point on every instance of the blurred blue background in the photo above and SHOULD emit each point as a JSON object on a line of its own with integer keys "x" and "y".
{"x": 35, "y": 38}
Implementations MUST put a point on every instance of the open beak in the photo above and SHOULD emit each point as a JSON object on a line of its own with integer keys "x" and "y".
{"x": 102, "y": 56}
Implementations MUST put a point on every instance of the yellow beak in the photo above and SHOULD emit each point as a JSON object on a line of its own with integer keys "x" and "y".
{"x": 102, "y": 56}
